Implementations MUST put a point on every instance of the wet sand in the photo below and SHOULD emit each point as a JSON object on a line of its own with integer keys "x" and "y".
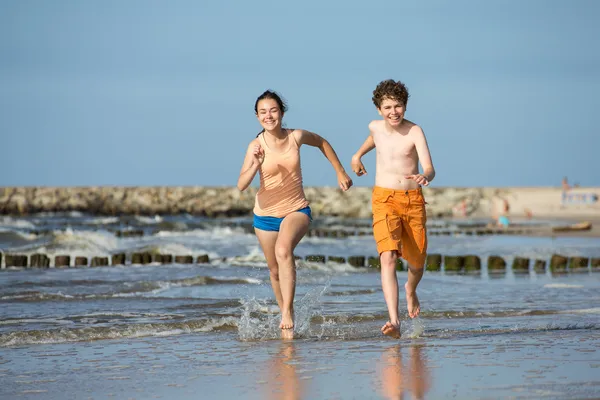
{"x": 544, "y": 364}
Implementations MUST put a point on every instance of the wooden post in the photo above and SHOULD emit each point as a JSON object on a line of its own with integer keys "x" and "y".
{"x": 164, "y": 258}
{"x": 118, "y": 259}
{"x": 399, "y": 264}
{"x": 39, "y": 260}
{"x": 356, "y": 261}
{"x": 81, "y": 261}
{"x": 15, "y": 260}
{"x": 520, "y": 264}
{"x": 184, "y": 260}
{"x": 141, "y": 258}
{"x": 496, "y": 264}
{"x": 539, "y": 266}
{"x": 339, "y": 260}
{"x": 454, "y": 263}
{"x": 99, "y": 261}
{"x": 62, "y": 261}
{"x": 433, "y": 262}
{"x": 472, "y": 263}
{"x": 578, "y": 263}
{"x": 203, "y": 259}
{"x": 374, "y": 262}
{"x": 558, "y": 263}
{"x": 315, "y": 258}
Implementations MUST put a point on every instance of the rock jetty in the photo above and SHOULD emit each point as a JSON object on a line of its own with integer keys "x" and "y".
{"x": 326, "y": 201}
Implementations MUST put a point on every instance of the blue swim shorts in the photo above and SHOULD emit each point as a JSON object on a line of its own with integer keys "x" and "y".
{"x": 503, "y": 220}
{"x": 272, "y": 223}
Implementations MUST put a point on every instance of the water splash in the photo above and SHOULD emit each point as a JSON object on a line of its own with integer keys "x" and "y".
{"x": 260, "y": 321}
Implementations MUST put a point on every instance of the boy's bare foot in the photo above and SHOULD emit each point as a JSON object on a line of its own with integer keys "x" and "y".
{"x": 412, "y": 302}
{"x": 391, "y": 330}
{"x": 287, "y": 320}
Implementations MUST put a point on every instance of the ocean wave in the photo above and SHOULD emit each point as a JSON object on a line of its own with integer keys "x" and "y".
{"x": 213, "y": 232}
{"x": 116, "y": 332}
{"x": 15, "y": 223}
{"x": 78, "y": 282}
{"x": 562, "y": 286}
{"x": 257, "y": 259}
{"x": 102, "y": 221}
{"x": 16, "y": 237}
{"x": 77, "y": 243}
{"x": 128, "y": 289}
{"x": 148, "y": 220}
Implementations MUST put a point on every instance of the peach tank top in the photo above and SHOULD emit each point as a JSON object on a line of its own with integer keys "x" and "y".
{"x": 281, "y": 191}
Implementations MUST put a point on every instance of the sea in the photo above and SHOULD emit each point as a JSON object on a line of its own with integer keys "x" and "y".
{"x": 210, "y": 329}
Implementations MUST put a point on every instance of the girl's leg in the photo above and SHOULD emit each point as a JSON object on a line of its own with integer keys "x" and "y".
{"x": 292, "y": 230}
{"x": 267, "y": 240}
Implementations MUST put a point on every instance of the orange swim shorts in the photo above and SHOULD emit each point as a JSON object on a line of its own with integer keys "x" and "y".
{"x": 399, "y": 220}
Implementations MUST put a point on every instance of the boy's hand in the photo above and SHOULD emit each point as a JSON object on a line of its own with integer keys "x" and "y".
{"x": 344, "y": 180}
{"x": 358, "y": 167}
{"x": 419, "y": 178}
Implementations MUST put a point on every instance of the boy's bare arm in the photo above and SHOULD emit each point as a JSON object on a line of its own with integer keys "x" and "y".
{"x": 424, "y": 158}
{"x": 367, "y": 146}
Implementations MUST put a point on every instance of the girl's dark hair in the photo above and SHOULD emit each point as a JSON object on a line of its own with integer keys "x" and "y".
{"x": 269, "y": 94}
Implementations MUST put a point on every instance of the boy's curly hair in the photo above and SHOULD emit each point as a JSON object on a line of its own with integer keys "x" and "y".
{"x": 390, "y": 89}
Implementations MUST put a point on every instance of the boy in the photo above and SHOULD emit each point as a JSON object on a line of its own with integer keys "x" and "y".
{"x": 398, "y": 204}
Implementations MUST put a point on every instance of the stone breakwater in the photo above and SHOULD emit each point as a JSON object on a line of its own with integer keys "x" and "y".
{"x": 325, "y": 201}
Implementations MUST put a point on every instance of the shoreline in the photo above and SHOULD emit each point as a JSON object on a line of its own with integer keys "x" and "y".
{"x": 442, "y": 202}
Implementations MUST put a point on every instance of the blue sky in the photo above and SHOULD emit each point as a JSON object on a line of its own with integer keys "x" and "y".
{"x": 162, "y": 93}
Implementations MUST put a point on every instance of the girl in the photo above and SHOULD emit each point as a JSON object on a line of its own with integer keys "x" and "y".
{"x": 281, "y": 211}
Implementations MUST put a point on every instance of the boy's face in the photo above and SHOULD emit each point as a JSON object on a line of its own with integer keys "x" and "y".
{"x": 392, "y": 111}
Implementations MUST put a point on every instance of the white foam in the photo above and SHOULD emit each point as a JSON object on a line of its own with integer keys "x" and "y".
{"x": 260, "y": 321}
{"x": 103, "y": 221}
{"x": 24, "y": 235}
{"x": 582, "y": 311}
{"x": 562, "y": 286}
{"x": 36, "y": 321}
{"x": 10, "y": 222}
{"x": 149, "y": 220}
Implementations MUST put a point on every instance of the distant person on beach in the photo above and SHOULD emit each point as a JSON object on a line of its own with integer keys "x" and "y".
{"x": 281, "y": 212}
{"x": 565, "y": 184}
{"x": 502, "y": 219}
{"x": 398, "y": 204}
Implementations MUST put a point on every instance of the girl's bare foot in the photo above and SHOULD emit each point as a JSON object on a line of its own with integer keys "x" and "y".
{"x": 412, "y": 302}
{"x": 287, "y": 320}
{"x": 391, "y": 330}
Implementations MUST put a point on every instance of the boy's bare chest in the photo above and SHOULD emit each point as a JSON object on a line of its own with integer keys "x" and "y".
{"x": 394, "y": 145}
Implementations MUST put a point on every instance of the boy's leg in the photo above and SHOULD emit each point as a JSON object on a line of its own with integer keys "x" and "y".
{"x": 389, "y": 284}
{"x": 292, "y": 230}
{"x": 412, "y": 301}
{"x": 414, "y": 249}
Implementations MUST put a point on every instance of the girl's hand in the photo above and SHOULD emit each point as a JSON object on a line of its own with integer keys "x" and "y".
{"x": 259, "y": 154}
{"x": 344, "y": 180}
